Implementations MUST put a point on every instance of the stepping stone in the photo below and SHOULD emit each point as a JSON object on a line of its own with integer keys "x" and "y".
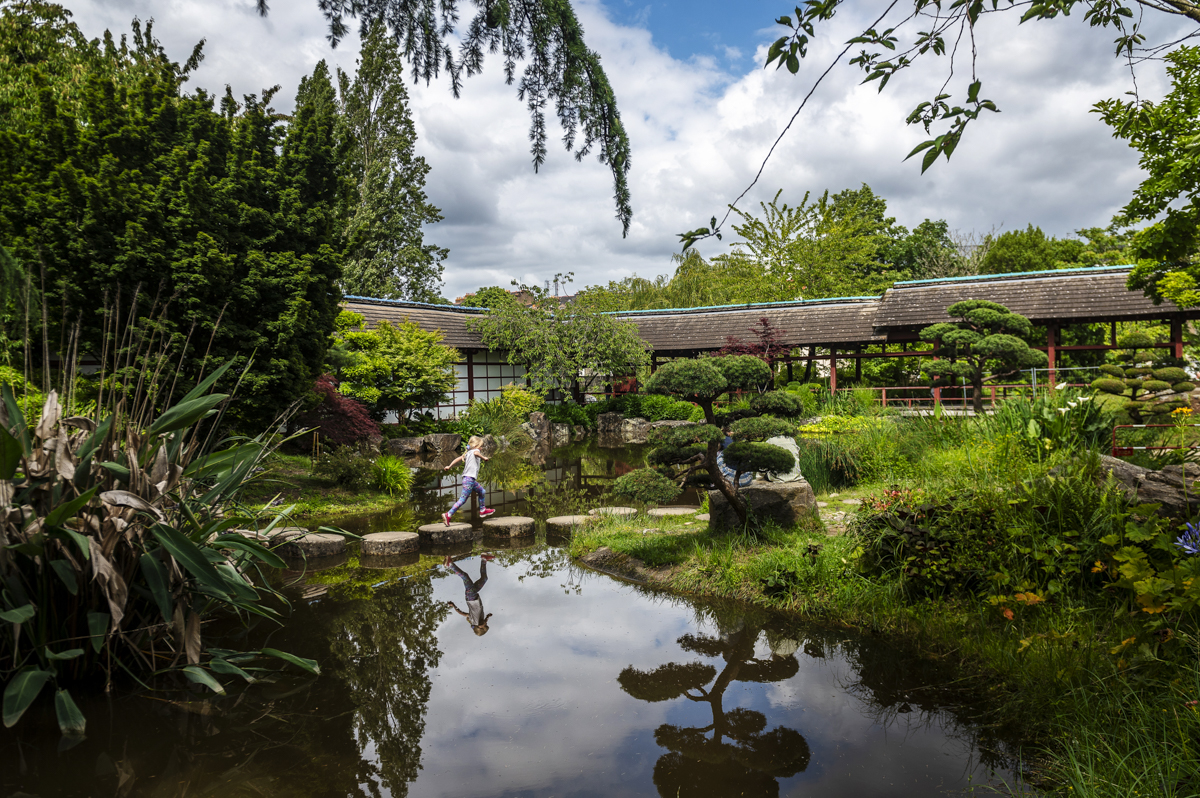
{"x": 567, "y": 524}
{"x": 376, "y": 562}
{"x": 702, "y": 517}
{"x": 851, "y": 501}
{"x": 619, "y": 512}
{"x": 822, "y": 504}
{"x": 513, "y": 526}
{"x": 315, "y": 544}
{"x": 382, "y": 544}
{"x": 455, "y": 533}
{"x": 276, "y": 536}
{"x": 663, "y": 512}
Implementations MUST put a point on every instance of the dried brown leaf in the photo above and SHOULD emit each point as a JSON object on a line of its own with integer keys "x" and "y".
{"x": 111, "y": 583}
{"x": 192, "y": 639}
{"x": 51, "y": 413}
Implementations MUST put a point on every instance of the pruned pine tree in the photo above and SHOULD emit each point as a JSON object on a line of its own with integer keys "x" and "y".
{"x": 386, "y": 254}
{"x": 691, "y": 452}
{"x": 985, "y": 343}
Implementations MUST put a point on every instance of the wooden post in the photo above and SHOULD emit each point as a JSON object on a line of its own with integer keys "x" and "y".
{"x": 470, "y": 377}
{"x": 832, "y": 371}
{"x": 858, "y": 365}
{"x": 789, "y": 366}
{"x": 1051, "y": 350}
{"x": 1177, "y": 338}
{"x": 884, "y": 399}
{"x": 1112, "y": 337}
{"x": 653, "y": 362}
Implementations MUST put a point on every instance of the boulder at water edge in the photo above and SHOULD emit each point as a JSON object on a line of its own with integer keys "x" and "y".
{"x": 785, "y": 503}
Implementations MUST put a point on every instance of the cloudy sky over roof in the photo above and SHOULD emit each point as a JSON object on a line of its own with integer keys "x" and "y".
{"x": 701, "y": 113}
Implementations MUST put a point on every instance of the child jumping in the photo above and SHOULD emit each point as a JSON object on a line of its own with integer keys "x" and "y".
{"x": 470, "y": 459}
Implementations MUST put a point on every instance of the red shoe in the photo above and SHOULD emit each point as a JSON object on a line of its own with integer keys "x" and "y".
{"x": 486, "y": 512}
{"x": 446, "y": 518}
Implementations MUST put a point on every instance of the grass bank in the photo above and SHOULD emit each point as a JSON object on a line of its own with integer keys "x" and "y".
{"x": 289, "y": 480}
{"x": 997, "y": 546}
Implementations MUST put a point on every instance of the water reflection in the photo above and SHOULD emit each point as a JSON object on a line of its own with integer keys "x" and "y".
{"x": 732, "y": 755}
{"x": 583, "y": 685}
{"x": 474, "y": 612}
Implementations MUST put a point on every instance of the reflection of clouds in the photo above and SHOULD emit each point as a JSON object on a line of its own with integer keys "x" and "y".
{"x": 534, "y": 706}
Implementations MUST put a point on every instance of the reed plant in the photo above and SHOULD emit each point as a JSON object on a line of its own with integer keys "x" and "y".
{"x": 123, "y": 532}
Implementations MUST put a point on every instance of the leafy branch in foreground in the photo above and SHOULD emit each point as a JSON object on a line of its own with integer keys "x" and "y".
{"x": 915, "y": 30}
{"x": 560, "y": 70}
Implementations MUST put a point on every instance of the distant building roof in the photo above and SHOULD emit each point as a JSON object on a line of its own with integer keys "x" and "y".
{"x": 1068, "y": 296}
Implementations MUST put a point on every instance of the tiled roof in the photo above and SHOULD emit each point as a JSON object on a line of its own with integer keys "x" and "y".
{"x": 1067, "y": 296}
{"x": 450, "y": 319}
{"x": 813, "y": 322}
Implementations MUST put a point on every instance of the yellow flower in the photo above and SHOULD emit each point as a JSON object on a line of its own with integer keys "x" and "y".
{"x": 1182, "y": 411}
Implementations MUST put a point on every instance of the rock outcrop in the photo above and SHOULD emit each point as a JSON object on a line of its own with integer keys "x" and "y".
{"x": 1165, "y": 487}
{"x": 785, "y": 503}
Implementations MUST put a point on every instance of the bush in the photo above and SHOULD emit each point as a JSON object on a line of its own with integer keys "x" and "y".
{"x": 347, "y": 468}
{"x": 759, "y": 428}
{"x": 646, "y": 486}
{"x": 1183, "y": 387}
{"x": 746, "y": 456}
{"x": 1154, "y": 386}
{"x": 338, "y": 419}
{"x": 1109, "y": 385}
{"x": 664, "y": 408}
{"x": 1171, "y": 374}
{"x": 778, "y": 403}
{"x": 568, "y": 413}
{"x": 392, "y": 475}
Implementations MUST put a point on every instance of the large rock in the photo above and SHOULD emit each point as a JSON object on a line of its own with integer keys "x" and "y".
{"x": 635, "y": 430}
{"x": 443, "y": 442}
{"x": 785, "y": 503}
{"x": 539, "y": 426}
{"x": 1165, "y": 487}
{"x": 794, "y": 475}
{"x": 560, "y": 434}
{"x": 405, "y": 447}
{"x": 608, "y": 430}
{"x": 671, "y": 424}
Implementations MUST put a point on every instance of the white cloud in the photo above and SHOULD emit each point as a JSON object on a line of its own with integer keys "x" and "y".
{"x": 699, "y": 132}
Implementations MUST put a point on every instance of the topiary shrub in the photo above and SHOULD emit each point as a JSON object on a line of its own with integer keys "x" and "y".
{"x": 748, "y": 456}
{"x": 646, "y": 486}
{"x": 1142, "y": 378}
{"x": 759, "y": 428}
{"x": 778, "y": 403}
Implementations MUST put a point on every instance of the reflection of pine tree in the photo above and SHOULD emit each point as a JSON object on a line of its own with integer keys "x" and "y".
{"x": 383, "y": 650}
{"x": 733, "y": 755}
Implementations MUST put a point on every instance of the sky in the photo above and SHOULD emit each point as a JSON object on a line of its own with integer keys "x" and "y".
{"x": 701, "y": 113}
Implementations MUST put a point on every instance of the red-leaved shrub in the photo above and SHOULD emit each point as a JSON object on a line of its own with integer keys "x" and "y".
{"x": 339, "y": 419}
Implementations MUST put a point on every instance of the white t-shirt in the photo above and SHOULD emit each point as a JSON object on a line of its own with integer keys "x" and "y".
{"x": 471, "y": 463}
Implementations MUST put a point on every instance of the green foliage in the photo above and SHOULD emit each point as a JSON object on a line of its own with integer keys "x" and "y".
{"x": 1053, "y": 421}
{"x": 392, "y": 367}
{"x": 392, "y": 476}
{"x": 555, "y": 345}
{"x": 1165, "y": 134}
{"x": 747, "y": 456}
{"x": 133, "y": 195}
{"x": 347, "y": 467}
{"x": 781, "y": 403}
{"x": 697, "y": 380}
{"x": 568, "y": 412}
{"x": 646, "y": 486}
{"x": 501, "y": 415}
{"x": 652, "y": 407}
{"x": 759, "y": 428}
{"x": 1137, "y": 362}
{"x": 743, "y": 372}
{"x": 1027, "y": 250}
{"x": 130, "y": 546}
{"x": 491, "y": 297}
{"x": 386, "y": 255}
{"x": 983, "y": 342}
{"x": 1171, "y": 374}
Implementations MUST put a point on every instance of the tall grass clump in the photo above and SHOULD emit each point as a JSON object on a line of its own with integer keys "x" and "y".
{"x": 121, "y": 534}
{"x": 392, "y": 476}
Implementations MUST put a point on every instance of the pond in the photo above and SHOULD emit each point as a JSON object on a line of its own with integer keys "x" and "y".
{"x": 582, "y": 685}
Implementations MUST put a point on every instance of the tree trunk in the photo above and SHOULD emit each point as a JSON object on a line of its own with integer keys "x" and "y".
{"x": 977, "y": 392}
{"x": 730, "y": 492}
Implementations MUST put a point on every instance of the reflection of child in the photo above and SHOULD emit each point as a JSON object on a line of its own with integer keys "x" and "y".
{"x": 470, "y": 459}
{"x": 474, "y": 613}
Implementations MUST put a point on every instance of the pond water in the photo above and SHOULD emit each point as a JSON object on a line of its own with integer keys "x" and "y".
{"x": 582, "y": 685}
